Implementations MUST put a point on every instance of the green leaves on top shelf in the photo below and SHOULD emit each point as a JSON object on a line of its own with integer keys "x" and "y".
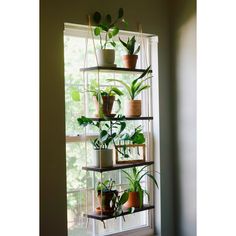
{"x": 108, "y": 26}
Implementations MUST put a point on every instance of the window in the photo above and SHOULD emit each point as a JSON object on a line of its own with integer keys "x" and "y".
{"x": 81, "y": 197}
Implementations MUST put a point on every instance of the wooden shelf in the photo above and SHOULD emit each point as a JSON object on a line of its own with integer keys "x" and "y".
{"x": 96, "y": 216}
{"x": 120, "y": 70}
{"x": 125, "y": 118}
{"x": 117, "y": 167}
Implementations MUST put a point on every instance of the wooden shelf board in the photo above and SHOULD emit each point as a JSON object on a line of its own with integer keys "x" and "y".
{"x": 125, "y": 118}
{"x": 117, "y": 167}
{"x": 96, "y": 216}
{"x": 112, "y": 69}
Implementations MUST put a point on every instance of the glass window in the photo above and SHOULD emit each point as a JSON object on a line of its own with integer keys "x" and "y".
{"x": 81, "y": 197}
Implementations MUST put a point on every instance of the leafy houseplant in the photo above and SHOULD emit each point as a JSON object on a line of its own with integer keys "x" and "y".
{"x": 109, "y": 200}
{"x": 106, "y": 29}
{"x": 135, "y": 189}
{"x": 133, "y": 108}
{"x": 104, "y": 99}
{"x": 103, "y": 154}
{"x": 130, "y": 59}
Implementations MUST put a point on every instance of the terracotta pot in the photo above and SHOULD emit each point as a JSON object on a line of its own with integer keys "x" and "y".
{"x": 107, "y": 104}
{"x": 133, "y": 108}
{"x": 130, "y": 61}
{"x": 106, "y": 57}
{"x": 105, "y": 201}
{"x": 133, "y": 200}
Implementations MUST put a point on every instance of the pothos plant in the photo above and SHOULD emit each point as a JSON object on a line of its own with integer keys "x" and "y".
{"x": 106, "y": 136}
{"x": 107, "y": 27}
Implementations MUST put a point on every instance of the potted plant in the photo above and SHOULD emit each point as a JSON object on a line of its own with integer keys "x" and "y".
{"x": 135, "y": 190}
{"x": 106, "y": 29}
{"x": 131, "y": 58}
{"x": 109, "y": 200}
{"x": 104, "y": 99}
{"x": 133, "y": 106}
{"x": 106, "y": 196}
{"x": 103, "y": 153}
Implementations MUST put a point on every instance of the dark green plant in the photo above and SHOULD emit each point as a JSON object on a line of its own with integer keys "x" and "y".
{"x": 106, "y": 185}
{"x": 135, "y": 137}
{"x": 136, "y": 86}
{"x": 130, "y": 46}
{"x": 118, "y": 201}
{"x": 135, "y": 181}
{"x": 106, "y": 136}
{"x": 105, "y": 25}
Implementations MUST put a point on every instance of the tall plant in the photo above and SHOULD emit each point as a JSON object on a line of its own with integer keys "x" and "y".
{"x": 108, "y": 27}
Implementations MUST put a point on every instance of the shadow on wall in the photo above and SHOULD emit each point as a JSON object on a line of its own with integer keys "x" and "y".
{"x": 183, "y": 19}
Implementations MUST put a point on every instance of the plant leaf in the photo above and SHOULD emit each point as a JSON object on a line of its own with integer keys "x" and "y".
{"x": 108, "y": 18}
{"x": 153, "y": 178}
{"x": 109, "y": 35}
{"x": 97, "y": 17}
{"x": 123, "y": 83}
{"x": 97, "y": 31}
{"x": 120, "y": 13}
{"x": 117, "y": 91}
{"x": 137, "y": 50}
{"x": 141, "y": 89}
{"x": 115, "y": 31}
{"x": 124, "y": 198}
{"x": 113, "y": 44}
{"x": 75, "y": 94}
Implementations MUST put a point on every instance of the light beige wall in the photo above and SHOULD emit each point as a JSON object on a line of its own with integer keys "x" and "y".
{"x": 153, "y": 14}
{"x": 183, "y": 43}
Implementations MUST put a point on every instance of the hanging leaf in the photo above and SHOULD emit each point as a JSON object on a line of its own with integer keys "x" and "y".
{"x": 113, "y": 43}
{"x": 108, "y": 18}
{"x": 97, "y": 31}
{"x": 115, "y": 31}
{"x": 124, "y": 198}
{"x": 97, "y": 17}
{"x": 75, "y": 95}
{"x": 109, "y": 35}
{"x": 125, "y": 23}
{"x": 120, "y": 13}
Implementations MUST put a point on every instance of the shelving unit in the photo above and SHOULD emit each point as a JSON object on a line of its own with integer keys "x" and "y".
{"x": 116, "y": 70}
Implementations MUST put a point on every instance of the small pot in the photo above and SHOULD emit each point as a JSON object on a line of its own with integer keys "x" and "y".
{"x": 107, "y": 105}
{"x": 106, "y": 205}
{"x": 133, "y": 108}
{"x": 130, "y": 61}
{"x": 103, "y": 158}
{"x": 106, "y": 57}
{"x": 133, "y": 200}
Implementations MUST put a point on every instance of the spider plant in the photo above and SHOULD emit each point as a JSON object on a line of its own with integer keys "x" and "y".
{"x": 135, "y": 179}
{"x": 136, "y": 86}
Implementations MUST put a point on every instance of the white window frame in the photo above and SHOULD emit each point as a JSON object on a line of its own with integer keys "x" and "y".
{"x": 152, "y": 56}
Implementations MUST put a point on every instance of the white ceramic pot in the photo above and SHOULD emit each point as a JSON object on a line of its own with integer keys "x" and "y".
{"x": 106, "y": 57}
{"x": 103, "y": 158}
